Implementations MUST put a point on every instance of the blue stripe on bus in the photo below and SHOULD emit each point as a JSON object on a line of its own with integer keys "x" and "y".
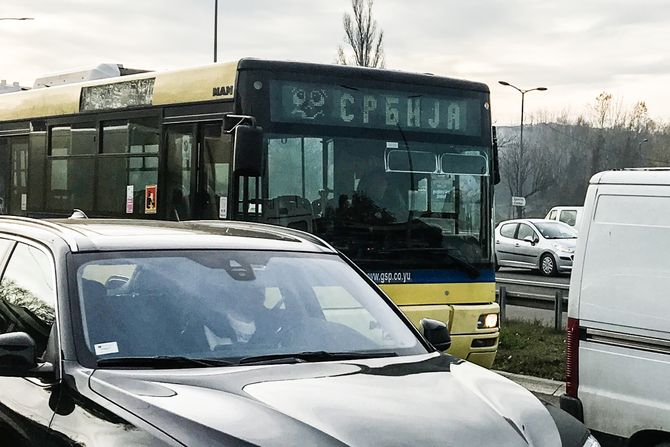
{"x": 430, "y": 276}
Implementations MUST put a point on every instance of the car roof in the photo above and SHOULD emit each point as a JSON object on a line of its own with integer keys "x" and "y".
{"x": 531, "y": 220}
{"x": 566, "y": 207}
{"x": 84, "y": 235}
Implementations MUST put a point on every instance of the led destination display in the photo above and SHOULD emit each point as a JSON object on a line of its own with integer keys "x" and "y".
{"x": 337, "y": 105}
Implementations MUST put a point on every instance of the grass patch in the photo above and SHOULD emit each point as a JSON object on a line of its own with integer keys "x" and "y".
{"x": 532, "y": 349}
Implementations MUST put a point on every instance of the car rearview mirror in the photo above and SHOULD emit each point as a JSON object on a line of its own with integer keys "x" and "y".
{"x": 437, "y": 333}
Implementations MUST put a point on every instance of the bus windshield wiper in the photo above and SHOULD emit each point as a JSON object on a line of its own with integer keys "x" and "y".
{"x": 312, "y": 356}
{"x": 163, "y": 361}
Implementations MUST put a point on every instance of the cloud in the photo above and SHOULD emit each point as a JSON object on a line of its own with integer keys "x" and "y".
{"x": 574, "y": 48}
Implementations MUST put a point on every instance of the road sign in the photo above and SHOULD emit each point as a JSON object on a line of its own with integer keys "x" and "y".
{"x": 518, "y": 201}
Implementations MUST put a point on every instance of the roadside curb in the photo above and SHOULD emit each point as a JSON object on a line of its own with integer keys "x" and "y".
{"x": 536, "y": 384}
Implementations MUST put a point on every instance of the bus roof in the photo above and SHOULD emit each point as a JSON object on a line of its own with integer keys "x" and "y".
{"x": 358, "y": 72}
{"x": 168, "y": 88}
{"x": 211, "y": 82}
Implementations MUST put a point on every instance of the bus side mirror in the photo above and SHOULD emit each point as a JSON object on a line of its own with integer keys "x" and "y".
{"x": 248, "y": 150}
{"x": 496, "y": 164}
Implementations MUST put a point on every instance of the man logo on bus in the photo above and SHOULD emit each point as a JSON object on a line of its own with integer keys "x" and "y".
{"x": 226, "y": 90}
{"x": 309, "y": 105}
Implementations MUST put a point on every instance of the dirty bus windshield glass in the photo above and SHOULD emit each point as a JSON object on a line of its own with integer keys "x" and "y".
{"x": 383, "y": 175}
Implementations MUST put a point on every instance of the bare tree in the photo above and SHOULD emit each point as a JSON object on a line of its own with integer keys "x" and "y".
{"x": 361, "y": 34}
{"x": 529, "y": 171}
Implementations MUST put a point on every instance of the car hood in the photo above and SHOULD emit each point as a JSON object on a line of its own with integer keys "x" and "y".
{"x": 570, "y": 243}
{"x": 419, "y": 400}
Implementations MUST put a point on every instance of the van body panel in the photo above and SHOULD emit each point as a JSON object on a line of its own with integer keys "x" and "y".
{"x": 620, "y": 293}
{"x": 623, "y": 391}
{"x": 626, "y": 273}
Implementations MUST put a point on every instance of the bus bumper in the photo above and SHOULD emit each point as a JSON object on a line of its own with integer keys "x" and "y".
{"x": 462, "y": 346}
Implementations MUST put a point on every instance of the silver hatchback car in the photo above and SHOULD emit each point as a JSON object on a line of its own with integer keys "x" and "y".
{"x": 538, "y": 244}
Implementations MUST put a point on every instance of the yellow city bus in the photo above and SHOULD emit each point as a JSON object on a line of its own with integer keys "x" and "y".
{"x": 394, "y": 169}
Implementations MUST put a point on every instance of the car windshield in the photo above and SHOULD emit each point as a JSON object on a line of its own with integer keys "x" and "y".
{"x": 556, "y": 230}
{"x": 231, "y": 305}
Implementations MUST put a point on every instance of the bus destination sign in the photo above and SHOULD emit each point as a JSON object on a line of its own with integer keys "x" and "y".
{"x": 338, "y": 105}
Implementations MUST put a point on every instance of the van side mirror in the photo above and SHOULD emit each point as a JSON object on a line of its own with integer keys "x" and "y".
{"x": 437, "y": 333}
{"x": 248, "y": 150}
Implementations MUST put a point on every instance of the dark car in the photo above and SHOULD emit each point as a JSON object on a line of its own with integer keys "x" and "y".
{"x": 212, "y": 334}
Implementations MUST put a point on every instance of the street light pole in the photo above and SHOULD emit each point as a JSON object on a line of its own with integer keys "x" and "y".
{"x": 523, "y": 96}
{"x": 216, "y": 25}
{"x": 639, "y": 150}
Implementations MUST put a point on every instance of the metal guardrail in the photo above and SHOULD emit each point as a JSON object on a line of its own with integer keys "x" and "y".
{"x": 558, "y": 302}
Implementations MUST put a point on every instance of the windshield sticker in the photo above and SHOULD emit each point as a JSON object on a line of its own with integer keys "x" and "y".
{"x": 391, "y": 277}
{"x": 150, "y": 199}
{"x": 130, "y": 193}
{"x": 106, "y": 348}
{"x": 223, "y": 207}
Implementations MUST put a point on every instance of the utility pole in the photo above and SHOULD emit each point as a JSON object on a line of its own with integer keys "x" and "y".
{"x": 216, "y": 25}
{"x": 523, "y": 94}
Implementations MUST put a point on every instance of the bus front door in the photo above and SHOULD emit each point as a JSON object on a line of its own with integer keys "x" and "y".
{"x": 198, "y": 171}
{"x": 4, "y": 175}
{"x": 13, "y": 175}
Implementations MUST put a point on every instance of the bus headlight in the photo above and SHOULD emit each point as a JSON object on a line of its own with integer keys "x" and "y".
{"x": 487, "y": 321}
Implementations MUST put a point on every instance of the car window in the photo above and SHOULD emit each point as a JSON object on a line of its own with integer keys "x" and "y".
{"x": 525, "y": 231}
{"x": 569, "y": 217}
{"x": 508, "y": 230}
{"x": 27, "y": 294}
{"x": 231, "y": 304}
{"x": 552, "y": 215}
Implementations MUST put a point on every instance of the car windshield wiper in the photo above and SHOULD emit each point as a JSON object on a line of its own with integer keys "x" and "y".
{"x": 312, "y": 356}
{"x": 163, "y": 361}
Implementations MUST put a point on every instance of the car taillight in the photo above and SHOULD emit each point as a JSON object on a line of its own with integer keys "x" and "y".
{"x": 572, "y": 358}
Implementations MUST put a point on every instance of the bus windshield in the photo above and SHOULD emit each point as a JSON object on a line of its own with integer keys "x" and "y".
{"x": 420, "y": 204}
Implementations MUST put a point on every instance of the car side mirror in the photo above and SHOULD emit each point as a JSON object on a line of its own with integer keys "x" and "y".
{"x": 530, "y": 239}
{"x": 17, "y": 354}
{"x": 437, "y": 333}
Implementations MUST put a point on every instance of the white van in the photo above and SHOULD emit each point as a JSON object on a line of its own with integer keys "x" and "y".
{"x": 618, "y": 350}
{"x": 570, "y": 215}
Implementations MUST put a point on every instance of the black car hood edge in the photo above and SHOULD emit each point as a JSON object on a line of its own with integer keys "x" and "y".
{"x": 420, "y": 400}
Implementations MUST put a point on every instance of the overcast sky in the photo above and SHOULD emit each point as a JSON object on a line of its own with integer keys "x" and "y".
{"x": 575, "y": 48}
